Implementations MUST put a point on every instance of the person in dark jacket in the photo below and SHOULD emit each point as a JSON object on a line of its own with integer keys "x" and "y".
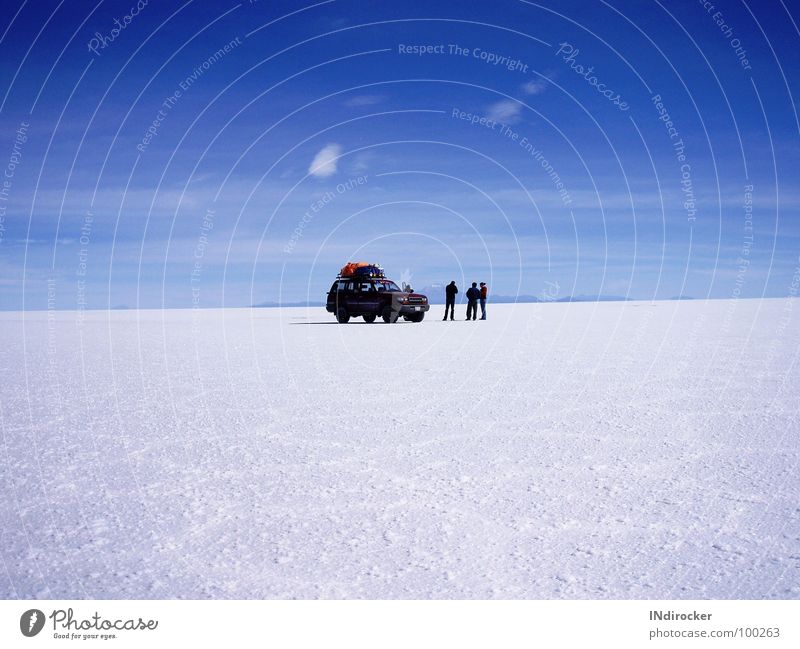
{"x": 473, "y": 295}
{"x": 484, "y": 294}
{"x": 450, "y": 299}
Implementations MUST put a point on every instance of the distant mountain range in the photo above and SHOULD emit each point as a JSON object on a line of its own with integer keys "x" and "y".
{"x": 435, "y": 293}
{"x": 267, "y": 305}
{"x": 437, "y": 297}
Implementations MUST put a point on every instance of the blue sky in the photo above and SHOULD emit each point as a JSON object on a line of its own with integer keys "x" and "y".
{"x": 288, "y": 138}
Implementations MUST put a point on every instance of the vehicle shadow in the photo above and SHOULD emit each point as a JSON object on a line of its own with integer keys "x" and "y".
{"x": 332, "y": 323}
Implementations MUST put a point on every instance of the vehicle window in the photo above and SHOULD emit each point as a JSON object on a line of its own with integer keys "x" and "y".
{"x": 365, "y": 287}
{"x": 387, "y": 286}
{"x": 340, "y": 286}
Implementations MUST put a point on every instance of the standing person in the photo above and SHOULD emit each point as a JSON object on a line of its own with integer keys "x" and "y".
{"x": 450, "y": 299}
{"x": 473, "y": 295}
{"x": 484, "y": 293}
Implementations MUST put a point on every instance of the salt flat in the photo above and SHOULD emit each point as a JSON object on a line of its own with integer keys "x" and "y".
{"x": 610, "y": 450}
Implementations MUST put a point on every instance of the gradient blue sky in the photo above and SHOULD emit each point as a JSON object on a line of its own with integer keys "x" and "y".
{"x": 439, "y": 198}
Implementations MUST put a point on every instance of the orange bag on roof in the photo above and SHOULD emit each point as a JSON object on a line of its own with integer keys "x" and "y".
{"x": 349, "y": 269}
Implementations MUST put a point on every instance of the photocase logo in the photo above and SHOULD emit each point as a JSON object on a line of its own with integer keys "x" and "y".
{"x": 31, "y": 622}
{"x": 405, "y": 279}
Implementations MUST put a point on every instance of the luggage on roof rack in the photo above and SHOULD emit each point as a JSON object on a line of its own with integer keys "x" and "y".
{"x": 361, "y": 269}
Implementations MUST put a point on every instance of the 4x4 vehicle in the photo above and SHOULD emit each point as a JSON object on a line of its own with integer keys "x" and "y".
{"x": 364, "y": 291}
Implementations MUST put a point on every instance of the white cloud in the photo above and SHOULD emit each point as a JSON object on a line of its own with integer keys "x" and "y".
{"x": 533, "y": 87}
{"x": 324, "y": 163}
{"x": 506, "y": 111}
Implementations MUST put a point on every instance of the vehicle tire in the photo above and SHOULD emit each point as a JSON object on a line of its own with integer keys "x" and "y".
{"x": 389, "y": 314}
{"x": 342, "y": 316}
{"x": 369, "y": 317}
{"x": 417, "y": 317}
